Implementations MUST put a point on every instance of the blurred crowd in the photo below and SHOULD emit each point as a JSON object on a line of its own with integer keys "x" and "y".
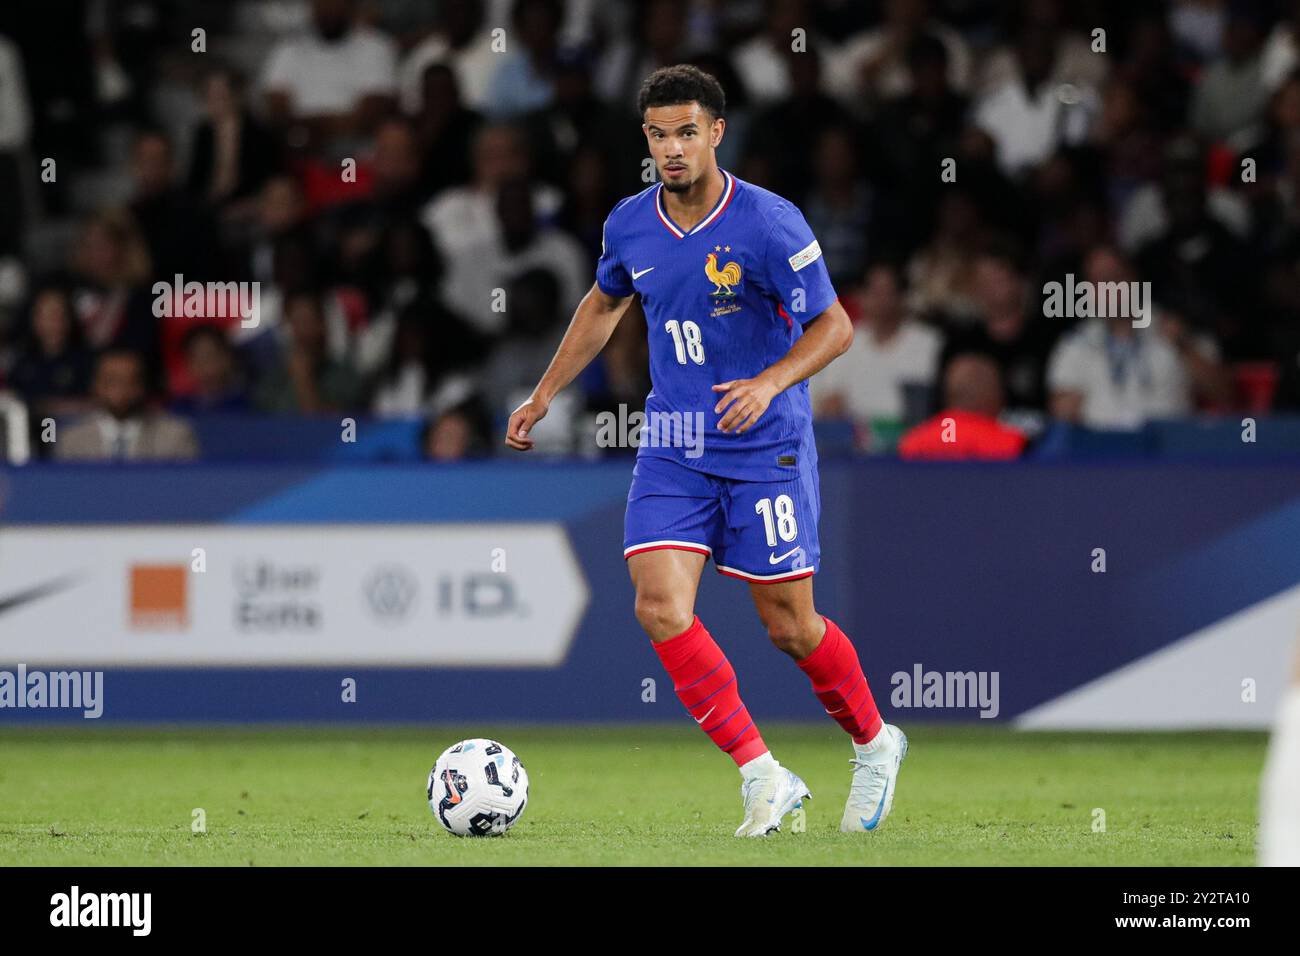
{"x": 417, "y": 187}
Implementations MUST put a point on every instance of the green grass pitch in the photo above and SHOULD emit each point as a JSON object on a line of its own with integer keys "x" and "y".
{"x": 621, "y": 795}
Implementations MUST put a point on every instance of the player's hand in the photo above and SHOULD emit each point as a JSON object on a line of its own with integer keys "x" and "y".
{"x": 522, "y": 420}
{"x": 748, "y": 399}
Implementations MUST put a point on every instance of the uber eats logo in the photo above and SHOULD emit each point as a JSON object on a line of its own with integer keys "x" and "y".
{"x": 277, "y": 597}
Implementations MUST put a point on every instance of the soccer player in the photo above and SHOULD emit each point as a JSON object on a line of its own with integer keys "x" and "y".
{"x": 740, "y": 312}
{"x": 1279, "y": 790}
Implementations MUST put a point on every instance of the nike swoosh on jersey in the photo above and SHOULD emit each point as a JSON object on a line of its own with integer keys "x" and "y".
{"x": 774, "y": 559}
{"x": 637, "y": 275}
{"x": 706, "y": 716}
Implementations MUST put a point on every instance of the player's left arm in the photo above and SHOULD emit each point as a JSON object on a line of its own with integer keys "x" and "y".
{"x": 824, "y": 338}
{"x": 792, "y": 271}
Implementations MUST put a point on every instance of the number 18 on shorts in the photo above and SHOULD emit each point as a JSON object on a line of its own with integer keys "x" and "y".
{"x": 755, "y": 530}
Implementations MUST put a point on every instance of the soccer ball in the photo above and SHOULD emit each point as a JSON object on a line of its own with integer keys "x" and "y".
{"x": 478, "y": 788}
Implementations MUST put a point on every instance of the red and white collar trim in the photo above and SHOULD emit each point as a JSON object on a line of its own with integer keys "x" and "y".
{"x": 728, "y": 190}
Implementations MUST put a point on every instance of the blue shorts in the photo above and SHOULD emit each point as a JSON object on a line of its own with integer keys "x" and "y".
{"x": 755, "y": 530}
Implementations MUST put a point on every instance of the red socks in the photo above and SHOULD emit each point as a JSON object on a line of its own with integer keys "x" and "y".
{"x": 706, "y": 684}
{"x": 841, "y": 686}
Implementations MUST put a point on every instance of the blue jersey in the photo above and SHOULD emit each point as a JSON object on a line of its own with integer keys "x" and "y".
{"x": 722, "y": 302}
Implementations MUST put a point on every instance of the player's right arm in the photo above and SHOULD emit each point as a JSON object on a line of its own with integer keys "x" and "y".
{"x": 593, "y": 323}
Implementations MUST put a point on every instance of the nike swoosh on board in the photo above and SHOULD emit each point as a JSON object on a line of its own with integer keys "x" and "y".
{"x": 20, "y": 598}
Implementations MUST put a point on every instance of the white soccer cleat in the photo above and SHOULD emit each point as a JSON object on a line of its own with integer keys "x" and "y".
{"x": 871, "y": 795}
{"x": 768, "y": 799}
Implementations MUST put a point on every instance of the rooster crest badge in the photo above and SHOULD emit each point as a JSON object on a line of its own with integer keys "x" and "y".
{"x": 724, "y": 280}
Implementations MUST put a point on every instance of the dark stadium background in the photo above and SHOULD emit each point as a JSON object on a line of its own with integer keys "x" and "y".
{"x": 376, "y": 292}
{"x": 417, "y": 189}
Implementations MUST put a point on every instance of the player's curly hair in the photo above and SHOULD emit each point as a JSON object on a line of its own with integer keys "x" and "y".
{"x": 682, "y": 83}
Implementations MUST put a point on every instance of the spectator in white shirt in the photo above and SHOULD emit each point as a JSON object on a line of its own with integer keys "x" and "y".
{"x": 464, "y": 217}
{"x": 1033, "y": 112}
{"x": 462, "y": 41}
{"x": 1282, "y": 51}
{"x": 763, "y": 63}
{"x": 890, "y": 353}
{"x": 476, "y": 270}
{"x": 1072, "y": 56}
{"x": 15, "y": 131}
{"x": 872, "y": 66}
{"x": 15, "y": 113}
{"x": 1231, "y": 95}
{"x": 335, "y": 81}
{"x": 1106, "y": 374}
